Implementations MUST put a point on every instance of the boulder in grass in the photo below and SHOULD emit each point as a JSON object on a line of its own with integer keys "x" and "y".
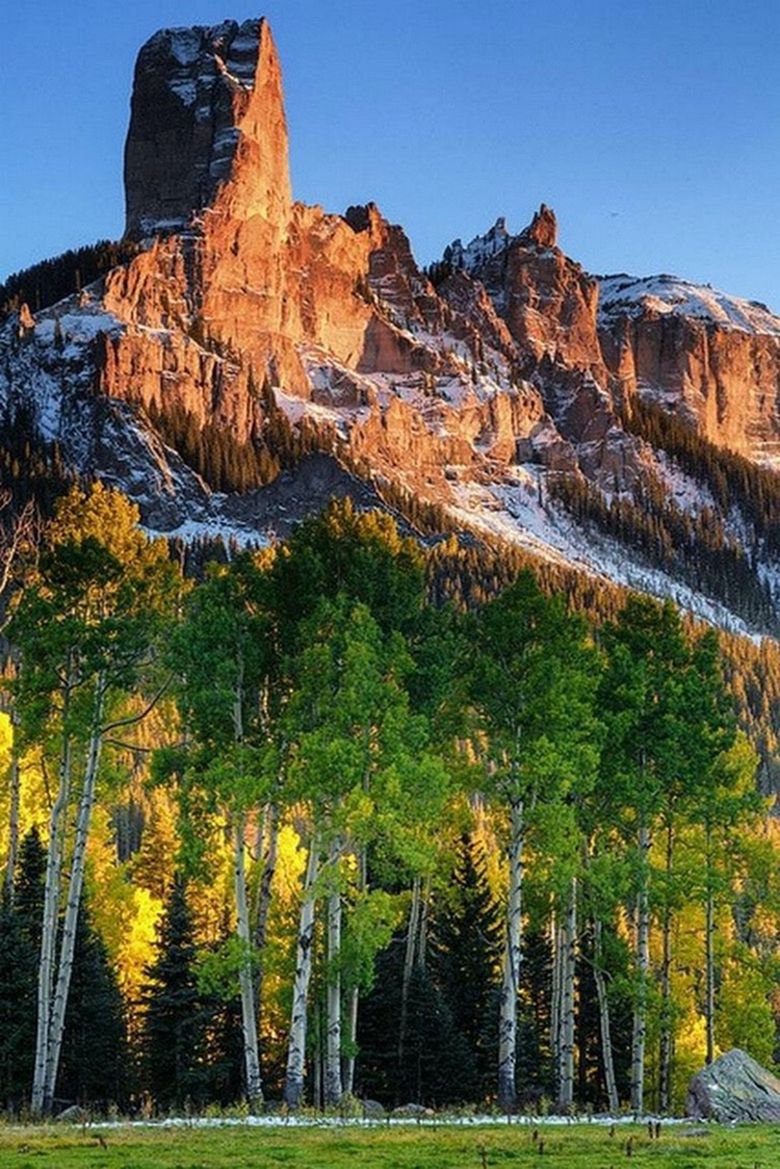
{"x": 413, "y": 1111}
{"x": 73, "y": 1115}
{"x": 372, "y": 1109}
{"x": 734, "y": 1088}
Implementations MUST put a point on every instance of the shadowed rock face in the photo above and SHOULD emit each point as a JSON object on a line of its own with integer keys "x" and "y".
{"x": 734, "y": 1088}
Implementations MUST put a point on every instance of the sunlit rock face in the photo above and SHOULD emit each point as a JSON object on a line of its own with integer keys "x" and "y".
{"x": 246, "y": 317}
{"x": 713, "y": 357}
{"x": 207, "y": 120}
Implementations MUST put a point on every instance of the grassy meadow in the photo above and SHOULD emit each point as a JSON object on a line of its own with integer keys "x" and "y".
{"x": 578, "y": 1146}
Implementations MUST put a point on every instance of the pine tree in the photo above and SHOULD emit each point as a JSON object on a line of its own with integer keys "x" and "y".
{"x": 174, "y": 1025}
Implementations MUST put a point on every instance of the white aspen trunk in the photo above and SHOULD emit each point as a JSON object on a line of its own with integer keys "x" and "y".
{"x": 410, "y": 958}
{"x": 643, "y": 968}
{"x": 605, "y": 1025}
{"x": 270, "y": 857}
{"x": 709, "y": 955}
{"x": 507, "y": 1028}
{"x": 333, "y": 1087}
{"x": 555, "y": 1000}
{"x": 422, "y": 945}
{"x": 254, "y": 1085}
{"x": 59, "y": 1002}
{"x": 569, "y": 956}
{"x": 348, "y": 1061}
{"x": 296, "y": 1050}
{"x": 51, "y": 905}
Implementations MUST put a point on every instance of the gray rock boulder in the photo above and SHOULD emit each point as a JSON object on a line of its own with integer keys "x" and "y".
{"x": 73, "y": 1115}
{"x": 372, "y": 1110}
{"x": 413, "y": 1111}
{"x": 734, "y": 1088}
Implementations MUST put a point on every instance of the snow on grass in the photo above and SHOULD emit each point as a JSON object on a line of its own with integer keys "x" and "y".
{"x": 664, "y": 295}
{"x": 442, "y": 1120}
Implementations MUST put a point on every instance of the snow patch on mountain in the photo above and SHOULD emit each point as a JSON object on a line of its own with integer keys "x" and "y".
{"x": 632, "y": 296}
{"x": 471, "y": 256}
{"x": 519, "y": 512}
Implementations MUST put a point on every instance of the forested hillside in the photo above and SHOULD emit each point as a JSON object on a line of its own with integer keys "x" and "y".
{"x": 350, "y": 816}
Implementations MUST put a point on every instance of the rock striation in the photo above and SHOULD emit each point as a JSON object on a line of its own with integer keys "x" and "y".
{"x": 734, "y": 1088}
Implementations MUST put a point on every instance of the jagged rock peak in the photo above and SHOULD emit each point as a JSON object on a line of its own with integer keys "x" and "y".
{"x": 207, "y": 125}
{"x": 481, "y": 248}
{"x": 543, "y": 228}
{"x": 541, "y": 232}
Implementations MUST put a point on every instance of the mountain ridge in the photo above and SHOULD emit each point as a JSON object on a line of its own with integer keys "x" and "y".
{"x": 477, "y": 386}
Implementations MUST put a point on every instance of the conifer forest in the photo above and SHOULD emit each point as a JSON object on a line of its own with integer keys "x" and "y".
{"x": 366, "y": 816}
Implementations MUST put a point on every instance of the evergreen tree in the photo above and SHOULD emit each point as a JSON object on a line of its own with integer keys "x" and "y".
{"x": 174, "y": 1025}
{"x": 436, "y": 1065}
{"x": 18, "y": 962}
{"x": 19, "y": 944}
{"x": 94, "y": 1068}
{"x": 466, "y": 957}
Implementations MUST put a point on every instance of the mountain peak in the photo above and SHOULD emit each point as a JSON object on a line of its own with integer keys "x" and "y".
{"x": 471, "y": 255}
{"x": 541, "y": 232}
{"x": 543, "y": 228}
{"x": 207, "y": 126}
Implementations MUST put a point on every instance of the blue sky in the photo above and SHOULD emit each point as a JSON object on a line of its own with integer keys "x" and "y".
{"x": 652, "y": 128}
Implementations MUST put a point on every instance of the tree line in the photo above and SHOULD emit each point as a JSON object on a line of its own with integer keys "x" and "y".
{"x": 374, "y": 845}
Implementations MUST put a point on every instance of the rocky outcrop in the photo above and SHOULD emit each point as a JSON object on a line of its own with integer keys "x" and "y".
{"x": 713, "y": 357}
{"x": 251, "y": 325}
{"x": 207, "y": 128}
{"x": 548, "y": 303}
{"x": 732, "y": 1089}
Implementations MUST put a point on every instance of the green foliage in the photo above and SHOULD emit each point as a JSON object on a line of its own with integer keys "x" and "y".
{"x": 533, "y": 684}
{"x": 355, "y": 553}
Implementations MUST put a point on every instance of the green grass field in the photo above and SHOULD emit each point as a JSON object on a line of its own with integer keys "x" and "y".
{"x": 579, "y": 1146}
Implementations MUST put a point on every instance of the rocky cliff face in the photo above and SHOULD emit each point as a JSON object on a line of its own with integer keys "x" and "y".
{"x": 476, "y": 386}
{"x": 207, "y": 128}
{"x": 713, "y": 357}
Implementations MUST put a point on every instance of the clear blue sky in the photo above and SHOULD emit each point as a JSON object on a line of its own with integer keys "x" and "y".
{"x": 651, "y": 126}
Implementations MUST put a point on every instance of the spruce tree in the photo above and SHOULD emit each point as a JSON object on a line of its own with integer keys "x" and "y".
{"x": 94, "y": 1067}
{"x": 19, "y": 945}
{"x": 433, "y": 1064}
{"x": 466, "y": 957}
{"x": 173, "y": 1038}
{"x": 17, "y": 1009}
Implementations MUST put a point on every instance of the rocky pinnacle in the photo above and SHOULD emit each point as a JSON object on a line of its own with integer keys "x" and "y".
{"x": 207, "y": 127}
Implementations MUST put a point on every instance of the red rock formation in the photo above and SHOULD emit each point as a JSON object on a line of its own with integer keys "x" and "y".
{"x": 715, "y": 357}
